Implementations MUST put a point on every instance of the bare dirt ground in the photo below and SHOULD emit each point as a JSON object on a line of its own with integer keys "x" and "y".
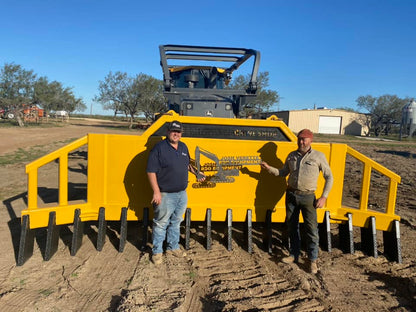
{"x": 215, "y": 280}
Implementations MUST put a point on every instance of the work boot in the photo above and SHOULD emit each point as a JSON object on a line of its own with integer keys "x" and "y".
{"x": 313, "y": 266}
{"x": 157, "y": 258}
{"x": 289, "y": 259}
{"x": 176, "y": 253}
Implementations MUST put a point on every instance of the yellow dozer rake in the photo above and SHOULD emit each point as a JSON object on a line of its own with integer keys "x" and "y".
{"x": 228, "y": 151}
{"x": 226, "y": 148}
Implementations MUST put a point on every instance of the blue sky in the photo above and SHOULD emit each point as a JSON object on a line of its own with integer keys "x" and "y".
{"x": 317, "y": 52}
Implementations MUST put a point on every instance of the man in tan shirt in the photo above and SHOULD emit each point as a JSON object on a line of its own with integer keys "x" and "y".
{"x": 303, "y": 167}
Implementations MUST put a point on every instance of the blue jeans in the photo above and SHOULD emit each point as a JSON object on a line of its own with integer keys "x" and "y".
{"x": 305, "y": 203}
{"x": 168, "y": 216}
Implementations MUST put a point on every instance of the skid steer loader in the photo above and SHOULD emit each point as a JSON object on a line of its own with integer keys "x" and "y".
{"x": 227, "y": 148}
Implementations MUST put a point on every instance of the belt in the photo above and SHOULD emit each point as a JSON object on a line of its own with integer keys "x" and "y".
{"x": 297, "y": 192}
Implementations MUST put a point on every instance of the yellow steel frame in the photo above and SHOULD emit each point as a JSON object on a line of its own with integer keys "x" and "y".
{"x": 117, "y": 178}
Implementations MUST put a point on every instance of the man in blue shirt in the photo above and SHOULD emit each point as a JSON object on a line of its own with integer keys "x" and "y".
{"x": 167, "y": 170}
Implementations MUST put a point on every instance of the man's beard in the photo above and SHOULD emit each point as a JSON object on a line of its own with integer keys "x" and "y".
{"x": 303, "y": 149}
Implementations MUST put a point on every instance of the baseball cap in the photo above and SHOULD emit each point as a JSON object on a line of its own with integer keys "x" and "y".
{"x": 305, "y": 133}
{"x": 175, "y": 126}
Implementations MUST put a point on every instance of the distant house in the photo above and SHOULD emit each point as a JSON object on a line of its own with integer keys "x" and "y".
{"x": 324, "y": 120}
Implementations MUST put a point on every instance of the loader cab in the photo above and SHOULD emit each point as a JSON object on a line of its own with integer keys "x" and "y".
{"x": 198, "y": 77}
{"x": 193, "y": 101}
{"x": 195, "y": 86}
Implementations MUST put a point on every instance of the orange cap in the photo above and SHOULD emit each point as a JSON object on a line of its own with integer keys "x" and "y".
{"x": 305, "y": 133}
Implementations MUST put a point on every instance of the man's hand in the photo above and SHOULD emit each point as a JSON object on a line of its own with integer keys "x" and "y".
{"x": 320, "y": 202}
{"x": 157, "y": 198}
{"x": 264, "y": 165}
{"x": 200, "y": 176}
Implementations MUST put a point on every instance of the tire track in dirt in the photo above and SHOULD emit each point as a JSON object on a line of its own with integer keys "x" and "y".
{"x": 170, "y": 280}
{"x": 85, "y": 282}
{"x": 239, "y": 281}
{"x": 218, "y": 280}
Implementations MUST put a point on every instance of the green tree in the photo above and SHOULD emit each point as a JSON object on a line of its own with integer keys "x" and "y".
{"x": 53, "y": 96}
{"x": 384, "y": 111}
{"x": 151, "y": 100}
{"x": 16, "y": 88}
{"x": 265, "y": 98}
{"x": 45, "y": 94}
{"x": 113, "y": 92}
{"x": 19, "y": 87}
{"x": 69, "y": 102}
{"x": 131, "y": 95}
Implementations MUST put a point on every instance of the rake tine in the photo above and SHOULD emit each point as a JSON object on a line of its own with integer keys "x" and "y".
{"x": 209, "y": 229}
{"x": 78, "y": 232}
{"x": 369, "y": 238}
{"x": 268, "y": 232}
{"x": 392, "y": 246}
{"x": 346, "y": 235}
{"x": 187, "y": 227}
{"x": 52, "y": 237}
{"x": 229, "y": 229}
{"x": 249, "y": 232}
{"x": 325, "y": 233}
{"x": 102, "y": 228}
{"x": 27, "y": 240}
{"x": 145, "y": 228}
{"x": 123, "y": 229}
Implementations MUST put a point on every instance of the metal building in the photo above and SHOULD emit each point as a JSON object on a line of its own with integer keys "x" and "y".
{"x": 324, "y": 120}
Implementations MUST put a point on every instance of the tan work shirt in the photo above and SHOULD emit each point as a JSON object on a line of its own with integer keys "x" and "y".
{"x": 304, "y": 171}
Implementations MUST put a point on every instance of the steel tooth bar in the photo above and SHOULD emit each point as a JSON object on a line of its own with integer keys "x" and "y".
{"x": 392, "y": 245}
{"x": 268, "y": 234}
{"x": 123, "y": 229}
{"x": 249, "y": 232}
{"x": 229, "y": 229}
{"x": 209, "y": 229}
{"x": 78, "y": 232}
{"x": 346, "y": 235}
{"x": 102, "y": 229}
{"x": 325, "y": 233}
{"x": 369, "y": 238}
{"x": 145, "y": 232}
{"x": 52, "y": 237}
{"x": 27, "y": 240}
{"x": 187, "y": 227}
